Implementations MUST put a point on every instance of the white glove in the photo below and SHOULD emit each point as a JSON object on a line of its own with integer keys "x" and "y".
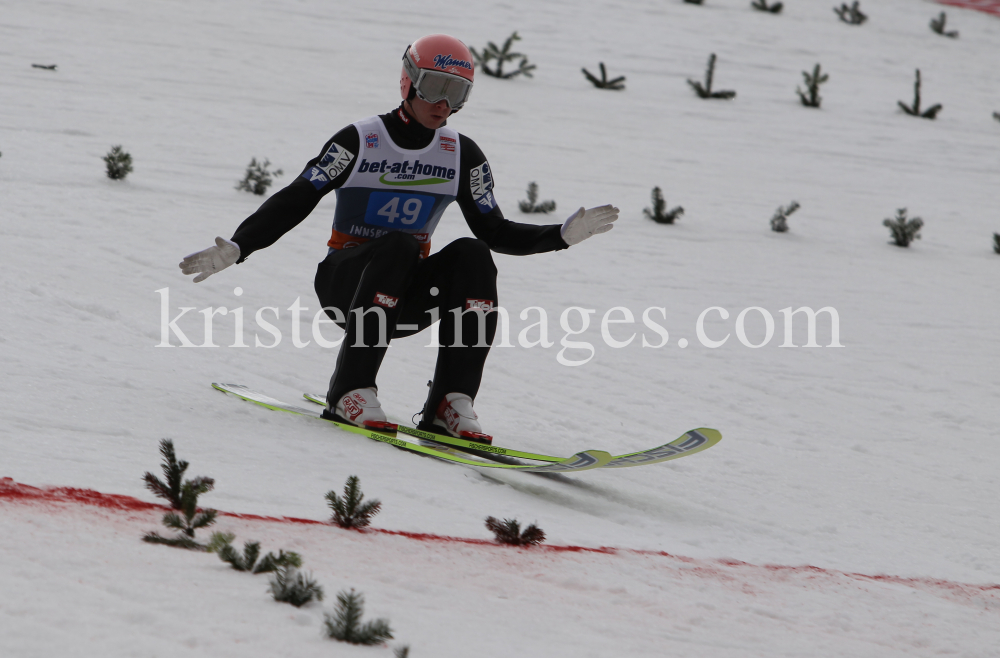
{"x": 209, "y": 261}
{"x": 585, "y": 223}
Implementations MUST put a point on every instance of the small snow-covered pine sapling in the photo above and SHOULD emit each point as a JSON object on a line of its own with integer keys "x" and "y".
{"x": 531, "y": 205}
{"x": 851, "y": 15}
{"x": 996, "y": 115}
{"x": 914, "y": 110}
{"x": 173, "y": 473}
{"x": 502, "y": 55}
{"x": 183, "y": 496}
{"x": 350, "y": 511}
{"x": 272, "y": 562}
{"x": 241, "y": 562}
{"x": 258, "y": 177}
{"x": 603, "y": 82}
{"x": 903, "y": 230}
{"x": 509, "y": 532}
{"x": 779, "y": 222}
{"x": 222, "y": 544}
{"x": 813, "y": 81}
{"x": 996, "y": 242}
{"x": 288, "y": 585}
{"x": 706, "y": 90}
{"x": 761, "y": 5}
{"x": 189, "y": 520}
{"x": 118, "y": 163}
{"x": 659, "y": 213}
{"x": 402, "y": 652}
{"x": 937, "y": 25}
{"x": 345, "y": 622}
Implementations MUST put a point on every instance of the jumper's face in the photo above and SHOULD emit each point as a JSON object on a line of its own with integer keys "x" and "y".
{"x": 429, "y": 115}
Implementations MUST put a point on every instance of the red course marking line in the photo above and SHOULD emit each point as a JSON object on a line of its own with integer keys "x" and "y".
{"x": 17, "y": 492}
{"x": 11, "y": 490}
{"x": 988, "y": 6}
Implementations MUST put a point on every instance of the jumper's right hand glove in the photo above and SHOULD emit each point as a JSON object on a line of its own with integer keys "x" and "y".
{"x": 207, "y": 262}
{"x": 585, "y": 223}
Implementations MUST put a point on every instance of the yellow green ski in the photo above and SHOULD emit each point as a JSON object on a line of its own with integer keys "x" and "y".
{"x": 581, "y": 461}
{"x": 688, "y": 443}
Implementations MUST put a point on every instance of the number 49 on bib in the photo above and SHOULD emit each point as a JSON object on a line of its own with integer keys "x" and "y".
{"x": 396, "y": 210}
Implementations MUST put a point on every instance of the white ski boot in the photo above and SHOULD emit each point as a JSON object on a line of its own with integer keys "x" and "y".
{"x": 361, "y": 408}
{"x": 455, "y": 416}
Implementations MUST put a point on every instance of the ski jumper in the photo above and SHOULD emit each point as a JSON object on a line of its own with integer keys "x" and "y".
{"x": 393, "y": 179}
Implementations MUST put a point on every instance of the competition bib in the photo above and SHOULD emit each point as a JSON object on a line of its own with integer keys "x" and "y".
{"x": 394, "y": 189}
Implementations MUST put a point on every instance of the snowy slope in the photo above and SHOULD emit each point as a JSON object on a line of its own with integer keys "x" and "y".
{"x": 875, "y": 458}
{"x": 442, "y": 601}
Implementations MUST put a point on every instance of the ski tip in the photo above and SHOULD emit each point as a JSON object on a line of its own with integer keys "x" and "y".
{"x": 714, "y": 436}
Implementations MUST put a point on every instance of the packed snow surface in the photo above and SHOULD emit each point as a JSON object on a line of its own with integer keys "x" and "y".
{"x": 850, "y": 508}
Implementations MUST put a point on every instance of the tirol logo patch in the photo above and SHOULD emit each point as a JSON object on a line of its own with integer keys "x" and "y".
{"x": 352, "y": 408}
{"x": 385, "y": 300}
{"x": 371, "y": 140}
{"x": 481, "y": 182}
{"x": 451, "y": 417}
{"x": 485, "y": 305}
{"x": 445, "y": 62}
{"x": 448, "y": 144}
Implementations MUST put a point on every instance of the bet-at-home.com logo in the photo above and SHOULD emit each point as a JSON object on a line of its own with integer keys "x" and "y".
{"x": 403, "y": 173}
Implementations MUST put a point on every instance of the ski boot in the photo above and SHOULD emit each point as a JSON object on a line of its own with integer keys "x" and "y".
{"x": 360, "y": 408}
{"x": 456, "y": 417}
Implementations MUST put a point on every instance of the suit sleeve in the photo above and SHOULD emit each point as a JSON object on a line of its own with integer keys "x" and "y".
{"x": 289, "y": 206}
{"x": 484, "y": 217}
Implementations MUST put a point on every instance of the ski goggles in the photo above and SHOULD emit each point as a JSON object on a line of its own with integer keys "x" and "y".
{"x": 437, "y": 86}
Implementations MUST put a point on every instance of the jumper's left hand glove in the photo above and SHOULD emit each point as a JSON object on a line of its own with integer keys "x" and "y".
{"x": 585, "y": 223}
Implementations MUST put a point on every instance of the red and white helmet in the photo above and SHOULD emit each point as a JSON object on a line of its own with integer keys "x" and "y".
{"x": 438, "y": 68}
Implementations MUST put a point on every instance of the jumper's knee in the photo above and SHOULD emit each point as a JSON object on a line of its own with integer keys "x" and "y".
{"x": 472, "y": 253}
